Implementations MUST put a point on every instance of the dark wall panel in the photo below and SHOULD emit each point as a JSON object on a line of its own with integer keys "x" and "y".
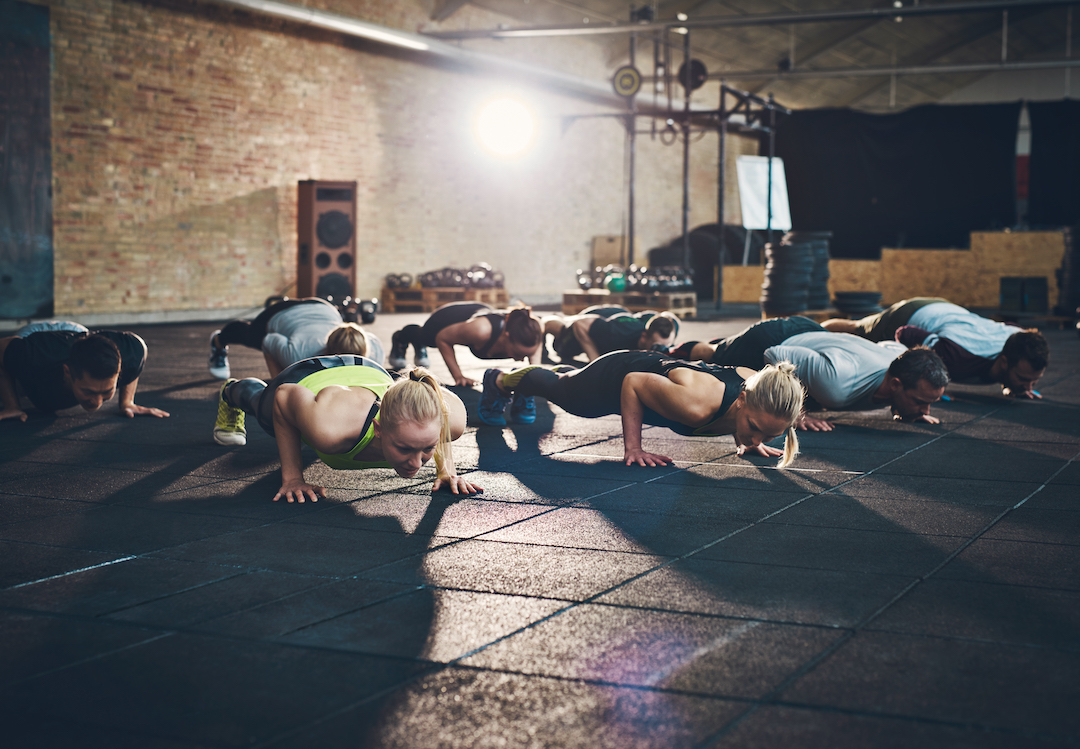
{"x": 925, "y": 177}
{"x": 1054, "y": 168}
{"x": 26, "y": 246}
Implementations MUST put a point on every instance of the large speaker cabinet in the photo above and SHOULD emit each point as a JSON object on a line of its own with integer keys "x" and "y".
{"x": 326, "y": 233}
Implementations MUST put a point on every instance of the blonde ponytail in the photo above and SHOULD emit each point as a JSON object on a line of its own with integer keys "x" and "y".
{"x": 776, "y": 390}
{"x": 419, "y": 398}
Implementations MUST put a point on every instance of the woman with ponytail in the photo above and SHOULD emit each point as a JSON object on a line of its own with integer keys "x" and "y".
{"x": 354, "y": 415}
{"x": 488, "y": 333}
{"x": 648, "y": 387}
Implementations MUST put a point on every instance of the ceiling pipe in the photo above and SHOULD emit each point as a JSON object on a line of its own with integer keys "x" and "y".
{"x": 767, "y": 19}
{"x": 978, "y": 67}
{"x": 597, "y": 91}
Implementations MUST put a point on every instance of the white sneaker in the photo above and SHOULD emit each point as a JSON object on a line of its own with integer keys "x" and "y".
{"x": 420, "y": 357}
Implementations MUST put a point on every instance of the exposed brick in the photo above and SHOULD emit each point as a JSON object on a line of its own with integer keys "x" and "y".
{"x": 187, "y": 199}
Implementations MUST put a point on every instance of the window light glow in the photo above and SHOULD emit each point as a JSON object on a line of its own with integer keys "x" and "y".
{"x": 505, "y": 126}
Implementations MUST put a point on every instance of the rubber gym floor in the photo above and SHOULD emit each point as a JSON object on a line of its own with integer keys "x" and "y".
{"x": 903, "y": 585}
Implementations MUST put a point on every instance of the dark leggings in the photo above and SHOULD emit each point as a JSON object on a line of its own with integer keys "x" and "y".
{"x": 250, "y": 333}
{"x": 747, "y": 349}
{"x": 443, "y": 317}
{"x": 255, "y": 397}
{"x": 593, "y": 391}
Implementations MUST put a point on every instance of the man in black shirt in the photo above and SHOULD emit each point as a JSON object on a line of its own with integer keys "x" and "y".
{"x": 605, "y": 329}
{"x": 60, "y": 369}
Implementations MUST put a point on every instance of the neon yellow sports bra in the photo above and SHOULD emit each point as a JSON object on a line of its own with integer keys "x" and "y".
{"x": 368, "y": 378}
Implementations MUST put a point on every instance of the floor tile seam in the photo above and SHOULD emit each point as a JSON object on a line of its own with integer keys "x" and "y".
{"x": 173, "y": 593}
{"x": 725, "y": 617}
{"x": 385, "y": 599}
{"x": 978, "y": 535}
{"x": 967, "y": 639}
{"x": 1036, "y": 542}
{"x": 646, "y": 609}
{"x": 89, "y": 502}
{"x": 594, "y": 682}
{"x": 860, "y": 626}
{"x": 879, "y": 715}
{"x": 933, "y": 500}
{"x": 899, "y": 532}
{"x": 593, "y": 598}
{"x": 908, "y": 452}
{"x": 92, "y": 658}
{"x": 614, "y": 459}
{"x": 455, "y": 540}
{"x": 119, "y": 560}
{"x": 159, "y": 556}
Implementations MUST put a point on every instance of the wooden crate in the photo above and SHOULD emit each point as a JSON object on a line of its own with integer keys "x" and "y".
{"x": 497, "y": 298}
{"x": 680, "y": 303}
{"x": 417, "y": 299}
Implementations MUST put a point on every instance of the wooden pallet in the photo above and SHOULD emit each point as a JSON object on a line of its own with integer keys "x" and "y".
{"x": 428, "y": 300}
{"x": 817, "y": 315}
{"x": 680, "y": 303}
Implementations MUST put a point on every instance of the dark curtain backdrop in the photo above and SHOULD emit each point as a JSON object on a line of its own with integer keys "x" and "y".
{"x": 1054, "y": 169}
{"x": 26, "y": 245}
{"x": 921, "y": 178}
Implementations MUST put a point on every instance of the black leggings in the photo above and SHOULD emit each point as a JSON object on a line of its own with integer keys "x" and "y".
{"x": 592, "y": 391}
{"x": 443, "y": 317}
{"x": 747, "y": 349}
{"x": 250, "y": 333}
{"x": 255, "y": 397}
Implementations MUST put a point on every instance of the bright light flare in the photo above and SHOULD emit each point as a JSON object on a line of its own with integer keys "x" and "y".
{"x": 506, "y": 127}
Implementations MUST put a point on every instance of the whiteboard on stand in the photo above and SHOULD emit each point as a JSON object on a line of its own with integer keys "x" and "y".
{"x": 753, "y": 172}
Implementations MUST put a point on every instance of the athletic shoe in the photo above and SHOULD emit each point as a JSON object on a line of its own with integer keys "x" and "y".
{"x": 219, "y": 359}
{"x": 229, "y": 427}
{"x": 523, "y": 409}
{"x": 492, "y": 402}
{"x": 398, "y": 350}
{"x": 420, "y": 357}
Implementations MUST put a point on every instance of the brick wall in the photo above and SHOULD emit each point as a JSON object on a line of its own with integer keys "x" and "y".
{"x": 181, "y": 130}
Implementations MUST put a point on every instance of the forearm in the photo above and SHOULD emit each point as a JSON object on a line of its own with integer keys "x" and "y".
{"x": 127, "y": 394}
{"x": 448, "y": 355}
{"x": 288, "y": 442}
{"x": 8, "y": 394}
{"x": 581, "y": 334}
{"x": 633, "y": 415}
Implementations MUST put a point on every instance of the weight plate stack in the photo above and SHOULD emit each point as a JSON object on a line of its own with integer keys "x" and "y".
{"x": 787, "y": 278}
{"x": 817, "y": 244}
{"x": 858, "y": 303}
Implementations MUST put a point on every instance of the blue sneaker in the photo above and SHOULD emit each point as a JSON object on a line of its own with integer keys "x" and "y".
{"x": 492, "y": 402}
{"x": 219, "y": 359}
{"x": 523, "y": 409}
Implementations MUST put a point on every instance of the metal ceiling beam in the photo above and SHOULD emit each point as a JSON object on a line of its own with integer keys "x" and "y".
{"x": 888, "y": 70}
{"x": 820, "y": 45}
{"x": 597, "y": 91}
{"x": 767, "y": 19}
{"x": 982, "y": 28}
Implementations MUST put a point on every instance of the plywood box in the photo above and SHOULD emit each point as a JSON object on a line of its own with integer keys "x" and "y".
{"x": 742, "y": 283}
{"x": 971, "y": 278}
{"x": 854, "y": 275}
{"x": 952, "y": 274}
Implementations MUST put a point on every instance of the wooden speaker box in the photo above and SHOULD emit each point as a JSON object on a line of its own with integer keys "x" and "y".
{"x": 326, "y": 234}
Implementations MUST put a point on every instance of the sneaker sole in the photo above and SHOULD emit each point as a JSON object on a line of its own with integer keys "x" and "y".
{"x": 230, "y": 439}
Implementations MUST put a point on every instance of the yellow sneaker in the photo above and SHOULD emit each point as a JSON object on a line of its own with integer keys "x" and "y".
{"x": 229, "y": 427}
